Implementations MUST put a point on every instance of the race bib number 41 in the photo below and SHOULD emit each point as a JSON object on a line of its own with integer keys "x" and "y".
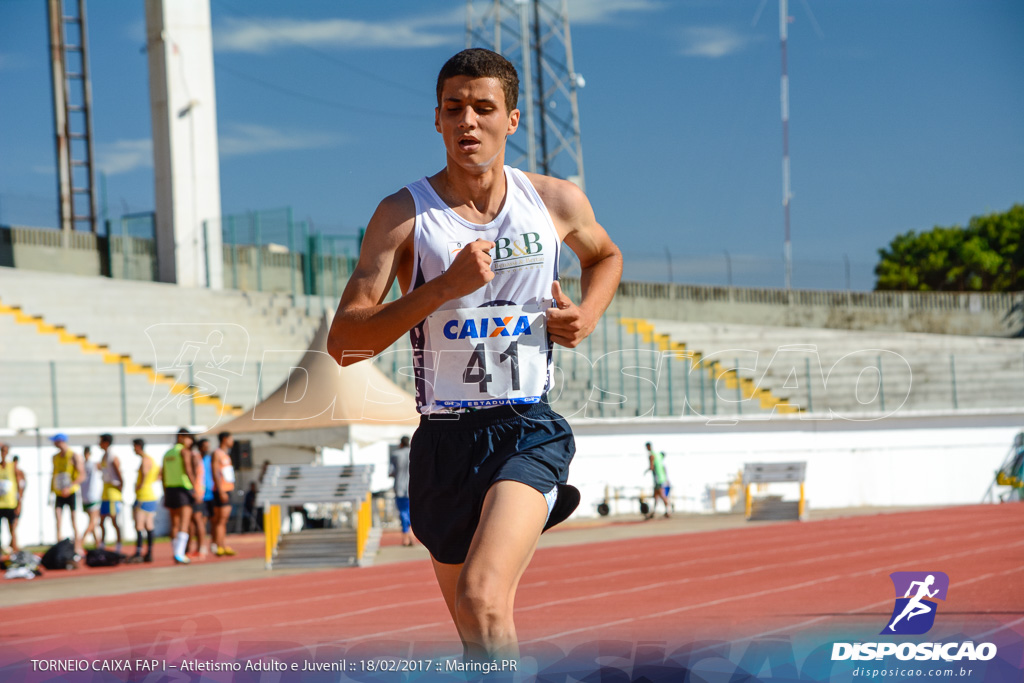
{"x": 494, "y": 355}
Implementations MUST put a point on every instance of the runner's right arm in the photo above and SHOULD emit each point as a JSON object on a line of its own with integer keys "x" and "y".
{"x": 364, "y": 325}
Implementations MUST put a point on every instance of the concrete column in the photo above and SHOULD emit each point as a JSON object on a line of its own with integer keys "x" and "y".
{"x": 185, "y": 157}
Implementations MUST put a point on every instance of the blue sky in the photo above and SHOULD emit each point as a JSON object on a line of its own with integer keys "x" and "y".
{"x": 905, "y": 114}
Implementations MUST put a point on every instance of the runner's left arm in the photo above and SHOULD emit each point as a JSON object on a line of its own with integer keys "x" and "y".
{"x": 600, "y": 259}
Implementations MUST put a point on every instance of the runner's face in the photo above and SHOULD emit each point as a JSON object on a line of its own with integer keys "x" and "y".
{"x": 474, "y": 121}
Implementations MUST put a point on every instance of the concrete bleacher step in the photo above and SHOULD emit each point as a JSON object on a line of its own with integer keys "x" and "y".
{"x": 985, "y": 368}
{"x": 101, "y": 321}
{"x": 40, "y": 326}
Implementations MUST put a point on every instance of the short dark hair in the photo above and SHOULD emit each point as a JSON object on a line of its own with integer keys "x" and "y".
{"x": 477, "y": 62}
{"x": 107, "y": 437}
{"x": 223, "y": 435}
{"x": 139, "y": 442}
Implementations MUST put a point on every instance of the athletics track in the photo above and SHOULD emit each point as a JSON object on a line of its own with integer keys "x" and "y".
{"x": 614, "y": 604}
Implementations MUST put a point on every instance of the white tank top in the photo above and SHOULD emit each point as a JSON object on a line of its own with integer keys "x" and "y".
{"x": 468, "y": 357}
{"x": 92, "y": 486}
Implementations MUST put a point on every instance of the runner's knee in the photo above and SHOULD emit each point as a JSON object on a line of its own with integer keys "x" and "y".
{"x": 482, "y": 601}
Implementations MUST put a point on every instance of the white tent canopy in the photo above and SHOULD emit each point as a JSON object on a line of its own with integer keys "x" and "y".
{"x": 324, "y": 404}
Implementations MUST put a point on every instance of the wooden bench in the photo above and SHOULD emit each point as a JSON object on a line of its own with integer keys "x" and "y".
{"x": 774, "y": 507}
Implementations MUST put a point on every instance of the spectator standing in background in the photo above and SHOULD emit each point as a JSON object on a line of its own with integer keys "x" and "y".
{"x": 399, "y": 471}
{"x": 92, "y": 495}
{"x": 223, "y": 487}
{"x": 177, "y": 477}
{"x": 145, "y": 501}
{"x": 656, "y": 460}
{"x": 252, "y": 517}
{"x": 203, "y": 493}
{"x": 10, "y": 495}
{"x": 113, "y": 483}
{"x": 68, "y": 474}
{"x": 22, "y": 485}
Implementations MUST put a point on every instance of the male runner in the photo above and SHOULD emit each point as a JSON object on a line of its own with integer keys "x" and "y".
{"x": 92, "y": 496}
{"x": 202, "y": 493}
{"x": 398, "y": 469}
{"x": 223, "y": 485}
{"x": 656, "y": 460}
{"x": 177, "y": 476}
{"x": 22, "y": 485}
{"x": 113, "y": 484}
{"x": 10, "y": 495}
{"x": 145, "y": 501}
{"x": 475, "y": 250}
{"x": 68, "y": 474}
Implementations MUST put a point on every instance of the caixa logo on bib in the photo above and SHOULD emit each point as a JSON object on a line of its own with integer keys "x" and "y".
{"x": 916, "y": 592}
{"x": 478, "y": 328}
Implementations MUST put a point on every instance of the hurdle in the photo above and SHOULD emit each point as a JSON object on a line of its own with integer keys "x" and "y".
{"x": 350, "y": 539}
{"x": 771, "y": 508}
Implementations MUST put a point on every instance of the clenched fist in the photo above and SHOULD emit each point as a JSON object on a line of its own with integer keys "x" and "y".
{"x": 470, "y": 270}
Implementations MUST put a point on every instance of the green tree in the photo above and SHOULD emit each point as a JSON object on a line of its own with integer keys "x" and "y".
{"x": 986, "y": 256}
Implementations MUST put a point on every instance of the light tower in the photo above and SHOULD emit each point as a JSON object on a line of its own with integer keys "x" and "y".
{"x": 534, "y": 36}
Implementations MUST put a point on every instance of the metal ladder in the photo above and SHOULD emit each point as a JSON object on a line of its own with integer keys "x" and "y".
{"x": 72, "y": 113}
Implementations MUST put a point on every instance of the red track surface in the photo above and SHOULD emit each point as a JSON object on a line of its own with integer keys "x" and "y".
{"x": 788, "y": 579}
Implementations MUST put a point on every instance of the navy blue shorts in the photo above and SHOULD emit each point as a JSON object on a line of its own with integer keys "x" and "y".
{"x": 454, "y": 462}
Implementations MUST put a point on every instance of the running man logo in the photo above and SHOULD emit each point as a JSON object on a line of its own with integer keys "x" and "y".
{"x": 453, "y": 249}
{"x": 487, "y": 327}
{"x": 914, "y": 612}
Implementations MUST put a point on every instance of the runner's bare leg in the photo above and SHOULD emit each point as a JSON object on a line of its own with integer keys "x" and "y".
{"x": 511, "y": 521}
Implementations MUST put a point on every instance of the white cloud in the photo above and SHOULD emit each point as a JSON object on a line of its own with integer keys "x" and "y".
{"x": 238, "y": 139}
{"x": 264, "y": 35}
{"x": 448, "y": 28}
{"x": 9, "y": 62}
{"x": 247, "y": 138}
{"x": 600, "y": 11}
{"x": 713, "y": 42}
{"x": 122, "y": 156}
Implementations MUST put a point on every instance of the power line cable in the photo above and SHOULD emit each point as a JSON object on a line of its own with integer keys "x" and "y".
{"x": 313, "y": 98}
{"x": 376, "y": 78}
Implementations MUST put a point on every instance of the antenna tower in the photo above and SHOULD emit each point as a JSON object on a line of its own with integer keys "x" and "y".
{"x": 534, "y": 36}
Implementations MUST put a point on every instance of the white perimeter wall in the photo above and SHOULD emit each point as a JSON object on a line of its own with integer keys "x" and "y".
{"x": 923, "y": 459}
